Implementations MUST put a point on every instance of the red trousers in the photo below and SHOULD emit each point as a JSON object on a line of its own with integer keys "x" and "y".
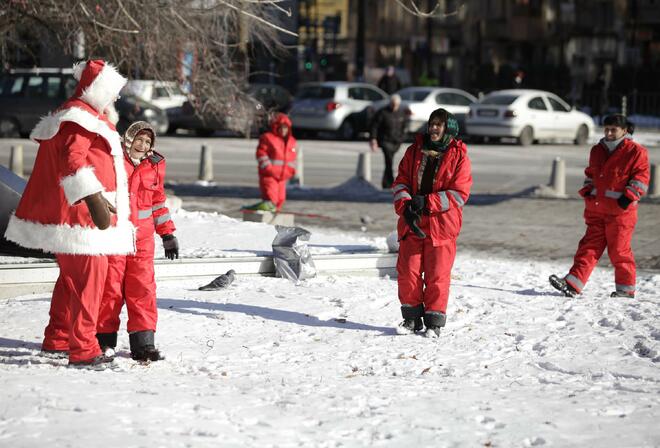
{"x": 273, "y": 190}
{"x": 613, "y": 232}
{"x": 417, "y": 257}
{"x": 131, "y": 279}
{"x": 74, "y": 306}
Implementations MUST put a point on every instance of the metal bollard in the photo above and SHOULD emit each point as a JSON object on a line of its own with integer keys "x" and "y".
{"x": 364, "y": 166}
{"x": 624, "y": 105}
{"x": 558, "y": 177}
{"x": 16, "y": 160}
{"x": 206, "y": 164}
{"x": 300, "y": 166}
{"x": 654, "y": 184}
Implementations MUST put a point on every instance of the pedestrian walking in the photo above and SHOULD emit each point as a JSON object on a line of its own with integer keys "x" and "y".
{"x": 276, "y": 156}
{"x": 389, "y": 82}
{"x": 615, "y": 180}
{"x": 76, "y": 206}
{"x": 131, "y": 277}
{"x": 430, "y": 191}
{"x": 388, "y": 129}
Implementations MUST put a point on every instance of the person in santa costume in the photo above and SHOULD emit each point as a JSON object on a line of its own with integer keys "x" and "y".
{"x": 616, "y": 179}
{"x": 430, "y": 190}
{"x": 76, "y": 206}
{"x": 131, "y": 277}
{"x": 276, "y": 156}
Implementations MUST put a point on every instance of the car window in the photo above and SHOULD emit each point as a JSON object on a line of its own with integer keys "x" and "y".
{"x": 372, "y": 95}
{"x": 499, "y": 100}
{"x": 444, "y": 98}
{"x": 413, "y": 95}
{"x": 161, "y": 92}
{"x": 12, "y": 86}
{"x": 53, "y": 84}
{"x": 70, "y": 84}
{"x": 461, "y": 100}
{"x": 34, "y": 88}
{"x": 557, "y": 106}
{"x": 537, "y": 103}
{"x": 356, "y": 93}
{"x": 316, "y": 92}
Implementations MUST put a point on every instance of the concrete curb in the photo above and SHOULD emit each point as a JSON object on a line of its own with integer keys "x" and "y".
{"x": 31, "y": 278}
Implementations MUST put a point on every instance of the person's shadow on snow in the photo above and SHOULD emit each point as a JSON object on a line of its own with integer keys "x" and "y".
{"x": 198, "y": 308}
{"x": 17, "y": 352}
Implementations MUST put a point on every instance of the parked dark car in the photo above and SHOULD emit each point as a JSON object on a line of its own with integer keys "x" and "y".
{"x": 263, "y": 99}
{"x": 26, "y": 95}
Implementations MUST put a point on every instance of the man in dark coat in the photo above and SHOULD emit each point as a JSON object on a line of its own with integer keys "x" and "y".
{"x": 388, "y": 130}
{"x": 389, "y": 82}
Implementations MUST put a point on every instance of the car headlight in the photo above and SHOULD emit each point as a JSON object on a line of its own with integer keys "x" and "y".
{"x": 149, "y": 113}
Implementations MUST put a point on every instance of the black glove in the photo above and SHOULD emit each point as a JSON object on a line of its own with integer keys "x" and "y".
{"x": 418, "y": 203}
{"x": 624, "y": 201}
{"x": 411, "y": 218}
{"x": 171, "y": 246}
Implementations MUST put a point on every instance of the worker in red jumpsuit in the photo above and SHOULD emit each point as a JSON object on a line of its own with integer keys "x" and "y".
{"x": 76, "y": 206}
{"x": 131, "y": 277}
{"x": 616, "y": 179}
{"x": 276, "y": 155}
{"x": 430, "y": 190}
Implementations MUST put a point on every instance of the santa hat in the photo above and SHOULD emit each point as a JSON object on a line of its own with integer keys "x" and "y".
{"x": 99, "y": 83}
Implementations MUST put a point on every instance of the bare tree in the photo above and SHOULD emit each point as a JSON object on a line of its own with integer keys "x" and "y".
{"x": 148, "y": 38}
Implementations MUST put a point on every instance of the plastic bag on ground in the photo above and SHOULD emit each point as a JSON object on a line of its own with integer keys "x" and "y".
{"x": 291, "y": 254}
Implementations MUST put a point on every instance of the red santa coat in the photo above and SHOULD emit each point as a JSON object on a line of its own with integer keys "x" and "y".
{"x": 424, "y": 265}
{"x": 131, "y": 278}
{"x": 277, "y": 161}
{"x": 79, "y": 154}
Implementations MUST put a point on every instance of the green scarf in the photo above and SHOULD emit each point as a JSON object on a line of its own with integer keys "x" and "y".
{"x": 451, "y": 131}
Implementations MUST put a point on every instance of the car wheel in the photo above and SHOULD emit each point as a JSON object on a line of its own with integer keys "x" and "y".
{"x": 346, "y": 131}
{"x": 9, "y": 128}
{"x": 582, "y": 135}
{"x": 526, "y": 137}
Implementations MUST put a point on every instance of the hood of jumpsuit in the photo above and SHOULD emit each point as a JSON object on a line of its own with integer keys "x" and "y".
{"x": 99, "y": 83}
{"x": 132, "y": 132}
{"x": 277, "y": 121}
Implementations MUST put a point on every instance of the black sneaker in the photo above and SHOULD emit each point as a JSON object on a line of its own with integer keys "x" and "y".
{"x": 99, "y": 361}
{"x": 147, "y": 353}
{"x": 561, "y": 285}
{"x": 410, "y": 326}
{"x": 625, "y": 295}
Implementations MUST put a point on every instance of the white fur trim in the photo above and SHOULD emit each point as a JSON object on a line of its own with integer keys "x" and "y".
{"x": 104, "y": 89}
{"x": 112, "y": 114}
{"x": 78, "y": 69}
{"x": 46, "y": 129}
{"x": 66, "y": 239}
{"x": 80, "y": 184}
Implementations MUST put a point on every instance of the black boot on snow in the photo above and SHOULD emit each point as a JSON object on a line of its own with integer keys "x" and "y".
{"x": 143, "y": 347}
{"x": 107, "y": 342}
{"x": 624, "y": 294}
{"x": 434, "y": 321}
{"x": 412, "y": 319}
{"x": 561, "y": 285}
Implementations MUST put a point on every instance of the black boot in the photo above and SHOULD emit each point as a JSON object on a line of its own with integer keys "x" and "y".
{"x": 107, "y": 341}
{"x": 143, "y": 347}
{"x": 412, "y": 319}
{"x": 561, "y": 285}
{"x": 434, "y": 321}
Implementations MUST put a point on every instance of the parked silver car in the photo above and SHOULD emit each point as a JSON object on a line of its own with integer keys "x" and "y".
{"x": 343, "y": 108}
{"x": 421, "y": 101}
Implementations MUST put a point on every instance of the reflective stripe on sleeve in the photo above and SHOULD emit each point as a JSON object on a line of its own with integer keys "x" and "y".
{"x": 161, "y": 219}
{"x": 613, "y": 194}
{"x": 262, "y": 158}
{"x": 292, "y": 164}
{"x": 396, "y": 188}
{"x": 641, "y": 185}
{"x": 594, "y": 191}
{"x": 625, "y": 288}
{"x": 277, "y": 162}
{"x": 402, "y": 195}
{"x": 575, "y": 281}
{"x": 263, "y": 165}
{"x": 158, "y": 206}
{"x": 634, "y": 192}
{"x": 444, "y": 201}
{"x": 143, "y": 214}
{"x": 457, "y": 197}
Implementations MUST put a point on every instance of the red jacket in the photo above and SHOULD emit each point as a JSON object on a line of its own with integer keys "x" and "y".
{"x": 451, "y": 189}
{"x": 277, "y": 155}
{"x": 146, "y": 185}
{"x": 625, "y": 171}
{"x": 79, "y": 154}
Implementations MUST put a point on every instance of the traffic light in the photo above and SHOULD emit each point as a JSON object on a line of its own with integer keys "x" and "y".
{"x": 324, "y": 61}
{"x": 308, "y": 65}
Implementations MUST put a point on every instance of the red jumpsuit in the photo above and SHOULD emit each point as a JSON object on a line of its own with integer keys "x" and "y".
{"x": 625, "y": 171}
{"x": 79, "y": 155}
{"x": 433, "y": 256}
{"x": 131, "y": 277}
{"x": 277, "y": 161}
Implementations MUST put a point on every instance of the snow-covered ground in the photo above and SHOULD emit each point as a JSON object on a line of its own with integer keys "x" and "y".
{"x": 268, "y": 363}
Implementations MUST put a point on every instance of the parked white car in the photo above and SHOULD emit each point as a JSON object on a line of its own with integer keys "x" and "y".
{"x": 344, "y": 108}
{"x": 529, "y": 116}
{"x": 421, "y": 101}
{"x": 164, "y": 94}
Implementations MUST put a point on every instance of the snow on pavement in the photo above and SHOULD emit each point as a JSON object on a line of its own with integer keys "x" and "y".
{"x": 268, "y": 363}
